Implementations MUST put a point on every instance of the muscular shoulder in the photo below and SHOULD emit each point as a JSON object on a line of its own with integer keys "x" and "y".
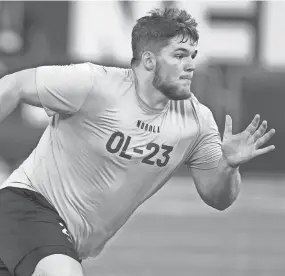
{"x": 109, "y": 83}
{"x": 107, "y": 74}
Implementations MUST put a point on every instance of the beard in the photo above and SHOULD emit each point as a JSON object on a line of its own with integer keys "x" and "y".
{"x": 168, "y": 88}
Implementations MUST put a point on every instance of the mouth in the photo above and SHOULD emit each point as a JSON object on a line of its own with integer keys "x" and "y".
{"x": 186, "y": 77}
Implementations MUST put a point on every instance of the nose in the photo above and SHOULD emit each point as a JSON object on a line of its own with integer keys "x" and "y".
{"x": 189, "y": 65}
{"x": 189, "y": 69}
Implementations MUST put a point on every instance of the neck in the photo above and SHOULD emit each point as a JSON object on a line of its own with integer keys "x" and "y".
{"x": 147, "y": 92}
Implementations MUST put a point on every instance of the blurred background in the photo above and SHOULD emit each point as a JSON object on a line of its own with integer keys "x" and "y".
{"x": 240, "y": 71}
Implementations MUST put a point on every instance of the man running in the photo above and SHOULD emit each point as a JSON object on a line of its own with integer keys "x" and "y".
{"x": 115, "y": 138}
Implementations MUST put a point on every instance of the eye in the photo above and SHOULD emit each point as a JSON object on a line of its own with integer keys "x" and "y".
{"x": 179, "y": 56}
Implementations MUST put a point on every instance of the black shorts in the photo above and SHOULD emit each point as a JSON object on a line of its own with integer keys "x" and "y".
{"x": 30, "y": 229}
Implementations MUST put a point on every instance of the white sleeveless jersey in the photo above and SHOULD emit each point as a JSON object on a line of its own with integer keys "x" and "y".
{"x": 105, "y": 151}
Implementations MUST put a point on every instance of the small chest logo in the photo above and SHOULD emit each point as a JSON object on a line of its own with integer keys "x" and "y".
{"x": 148, "y": 127}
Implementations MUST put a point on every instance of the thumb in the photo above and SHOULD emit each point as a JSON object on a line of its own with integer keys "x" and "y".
{"x": 228, "y": 125}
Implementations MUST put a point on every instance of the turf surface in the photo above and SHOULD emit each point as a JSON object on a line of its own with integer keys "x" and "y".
{"x": 176, "y": 234}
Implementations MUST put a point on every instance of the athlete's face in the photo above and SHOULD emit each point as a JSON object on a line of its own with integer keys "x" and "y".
{"x": 174, "y": 69}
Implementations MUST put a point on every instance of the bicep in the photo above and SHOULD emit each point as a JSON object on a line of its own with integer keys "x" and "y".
{"x": 25, "y": 81}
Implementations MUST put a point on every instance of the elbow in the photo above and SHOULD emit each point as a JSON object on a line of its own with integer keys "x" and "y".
{"x": 220, "y": 205}
{"x": 220, "y": 200}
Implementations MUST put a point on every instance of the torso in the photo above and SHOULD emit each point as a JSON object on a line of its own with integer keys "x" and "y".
{"x": 97, "y": 166}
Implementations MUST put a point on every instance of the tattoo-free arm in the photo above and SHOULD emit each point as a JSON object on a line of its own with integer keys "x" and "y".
{"x": 15, "y": 88}
{"x": 218, "y": 187}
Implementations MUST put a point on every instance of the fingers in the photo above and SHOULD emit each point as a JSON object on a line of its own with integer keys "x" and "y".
{"x": 264, "y": 150}
{"x": 253, "y": 125}
{"x": 265, "y": 138}
{"x": 261, "y": 130}
{"x": 228, "y": 125}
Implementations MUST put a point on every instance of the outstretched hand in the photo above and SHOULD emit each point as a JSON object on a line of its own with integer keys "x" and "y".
{"x": 244, "y": 146}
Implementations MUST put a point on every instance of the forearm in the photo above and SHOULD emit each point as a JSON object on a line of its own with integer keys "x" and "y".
{"x": 9, "y": 96}
{"x": 225, "y": 185}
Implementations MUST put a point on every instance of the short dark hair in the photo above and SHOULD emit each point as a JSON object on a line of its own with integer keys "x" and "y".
{"x": 153, "y": 32}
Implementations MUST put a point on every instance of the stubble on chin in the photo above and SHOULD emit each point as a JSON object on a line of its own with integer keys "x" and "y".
{"x": 173, "y": 92}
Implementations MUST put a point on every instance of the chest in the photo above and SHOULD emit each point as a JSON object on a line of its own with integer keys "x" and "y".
{"x": 129, "y": 137}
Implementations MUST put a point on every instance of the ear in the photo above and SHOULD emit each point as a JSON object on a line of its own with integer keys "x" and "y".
{"x": 149, "y": 60}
